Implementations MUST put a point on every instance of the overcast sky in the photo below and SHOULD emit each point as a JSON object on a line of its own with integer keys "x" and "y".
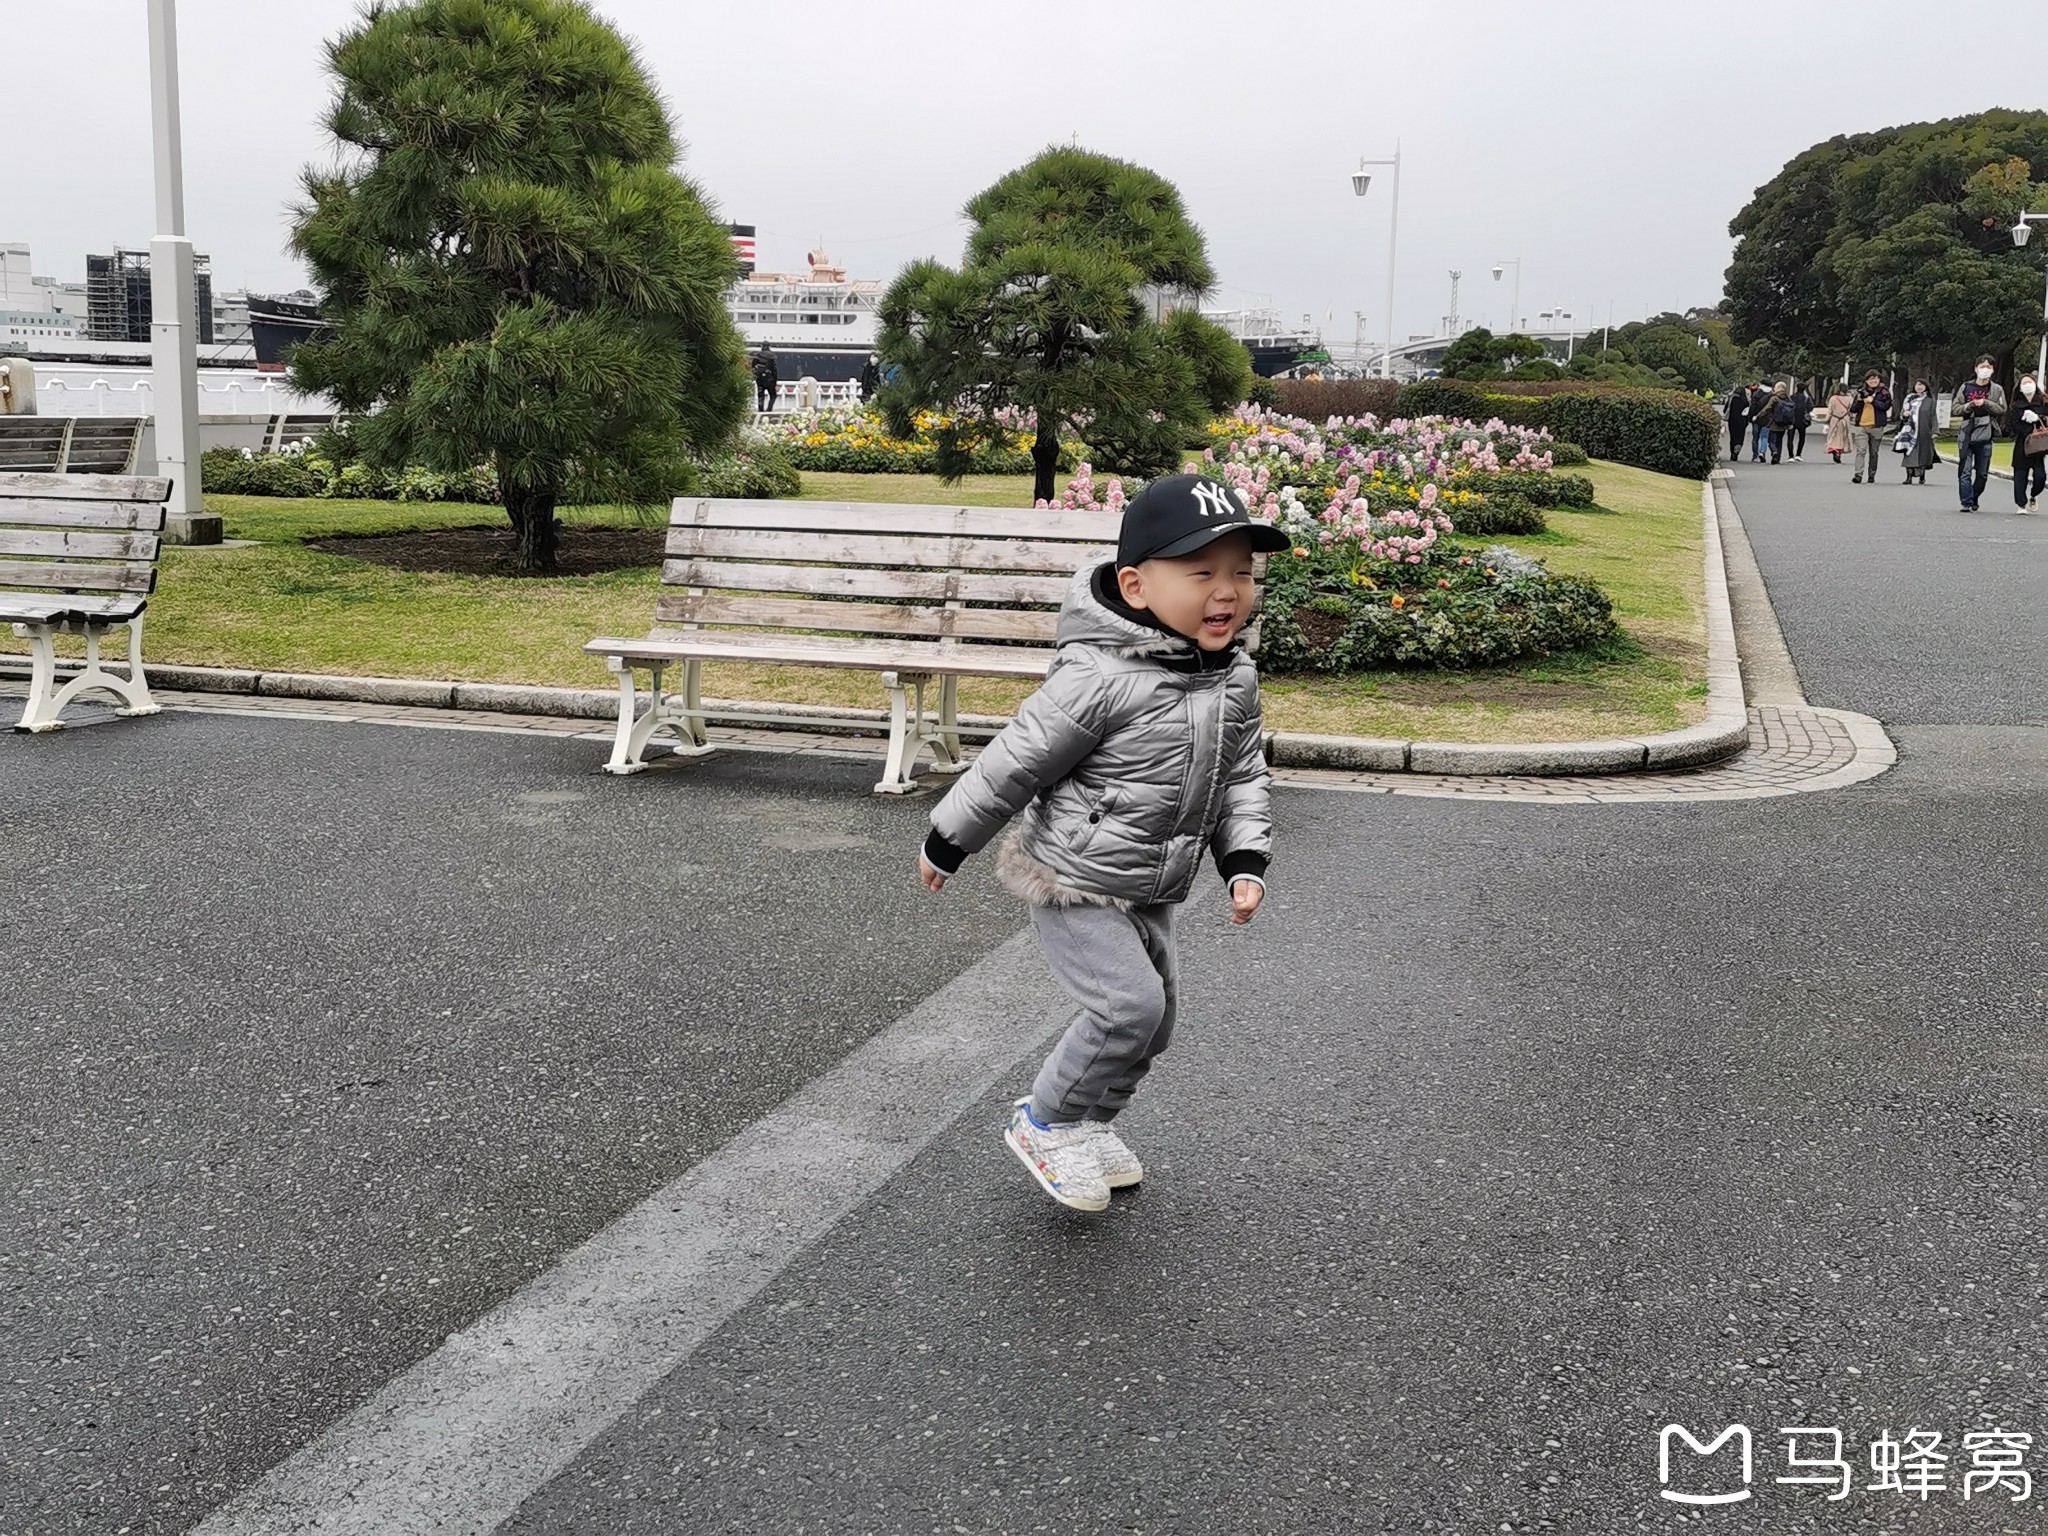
{"x": 1604, "y": 144}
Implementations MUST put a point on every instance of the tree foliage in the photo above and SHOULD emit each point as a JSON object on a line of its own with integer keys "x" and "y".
{"x": 1895, "y": 243}
{"x": 1048, "y": 311}
{"x": 1479, "y": 354}
{"x": 515, "y": 273}
{"x": 1689, "y": 351}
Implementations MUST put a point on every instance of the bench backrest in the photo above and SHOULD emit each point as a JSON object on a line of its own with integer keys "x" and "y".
{"x": 81, "y": 533}
{"x": 70, "y": 444}
{"x": 980, "y": 573}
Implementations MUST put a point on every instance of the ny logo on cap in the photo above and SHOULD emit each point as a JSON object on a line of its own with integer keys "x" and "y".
{"x": 1214, "y": 501}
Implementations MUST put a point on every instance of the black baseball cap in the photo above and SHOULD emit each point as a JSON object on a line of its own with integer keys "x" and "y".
{"x": 1178, "y": 514}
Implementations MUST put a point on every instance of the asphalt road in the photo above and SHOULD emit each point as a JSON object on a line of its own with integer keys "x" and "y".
{"x": 1507, "y": 1135}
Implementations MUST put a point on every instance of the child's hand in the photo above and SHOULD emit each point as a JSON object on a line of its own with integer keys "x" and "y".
{"x": 933, "y": 879}
{"x": 1245, "y": 896}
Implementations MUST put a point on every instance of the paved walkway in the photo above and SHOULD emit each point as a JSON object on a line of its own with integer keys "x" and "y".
{"x": 411, "y": 1129}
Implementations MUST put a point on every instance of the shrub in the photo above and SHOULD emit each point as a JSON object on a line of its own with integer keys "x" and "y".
{"x": 1502, "y": 512}
{"x": 1567, "y": 455}
{"x": 1660, "y": 430}
{"x": 1320, "y": 399}
{"x": 1442, "y": 397}
{"x": 1535, "y": 486}
{"x": 1462, "y": 607}
{"x": 232, "y": 472}
{"x": 1266, "y": 393}
{"x": 756, "y": 471}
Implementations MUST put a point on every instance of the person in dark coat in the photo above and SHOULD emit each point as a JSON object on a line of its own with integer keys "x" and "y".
{"x": 765, "y": 378}
{"x": 1778, "y": 418}
{"x": 1759, "y": 419}
{"x": 1980, "y": 412}
{"x": 1916, "y": 414}
{"x": 1738, "y": 420}
{"x": 2029, "y": 470}
{"x": 870, "y": 377}
{"x": 1802, "y": 417}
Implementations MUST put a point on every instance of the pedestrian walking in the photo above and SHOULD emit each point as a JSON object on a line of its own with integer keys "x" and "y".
{"x": 1916, "y": 431}
{"x": 1980, "y": 411}
{"x": 765, "y": 378}
{"x": 1802, "y": 418}
{"x": 1759, "y": 419}
{"x": 1779, "y": 416}
{"x": 2029, "y": 463}
{"x": 870, "y": 377}
{"x": 1838, "y": 422}
{"x": 1140, "y": 750}
{"x": 1870, "y": 409}
{"x": 1737, "y": 414}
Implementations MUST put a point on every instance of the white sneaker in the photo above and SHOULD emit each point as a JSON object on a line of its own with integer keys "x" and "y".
{"x": 1061, "y": 1157}
{"x": 1119, "y": 1164}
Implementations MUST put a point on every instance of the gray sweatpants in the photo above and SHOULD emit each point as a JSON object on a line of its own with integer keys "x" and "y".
{"x": 1122, "y": 969}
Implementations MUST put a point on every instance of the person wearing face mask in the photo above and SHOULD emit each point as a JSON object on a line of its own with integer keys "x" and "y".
{"x": 2029, "y": 470}
{"x": 1916, "y": 415}
{"x": 1980, "y": 410}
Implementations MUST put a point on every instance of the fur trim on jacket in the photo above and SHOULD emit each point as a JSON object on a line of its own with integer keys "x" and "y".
{"x": 1039, "y": 884}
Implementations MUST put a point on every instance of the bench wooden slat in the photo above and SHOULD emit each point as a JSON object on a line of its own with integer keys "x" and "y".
{"x": 43, "y": 607}
{"x": 69, "y": 541}
{"x": 139, "y": 576}
{"x": 940, "y": 550}
{"x": 826, "y": 651}
{"x": 684, "y": 607}
{"x": 38, "y": 512}
{"x": 876, "y": 517}
{"x": 87, "y": 487}
{"x": 864, "y": 581}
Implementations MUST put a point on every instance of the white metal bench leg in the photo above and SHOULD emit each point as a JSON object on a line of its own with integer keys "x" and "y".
{"x": 629, "y": 747}
{"x": 40, "y": 713}
{"x": 945, "y": 740}
{"x": 906, "y": 731}
{"x": 46, "y": 701}
{"x": 685, "y": 712}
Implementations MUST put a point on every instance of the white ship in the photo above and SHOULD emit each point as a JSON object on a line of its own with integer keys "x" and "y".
{"x": 820, "y": 323}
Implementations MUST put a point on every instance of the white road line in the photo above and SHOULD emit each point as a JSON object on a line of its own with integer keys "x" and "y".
{"x": 458, "y": 1442}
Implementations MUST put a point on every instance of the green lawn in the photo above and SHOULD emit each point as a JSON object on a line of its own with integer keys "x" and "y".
{"x": 276, "y": 605}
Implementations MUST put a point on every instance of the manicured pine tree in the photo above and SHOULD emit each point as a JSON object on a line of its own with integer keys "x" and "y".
{"x": 515, "y": 271}
{"x": 1052, "y": 311}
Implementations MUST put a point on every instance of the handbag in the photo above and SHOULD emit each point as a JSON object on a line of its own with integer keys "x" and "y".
{"x": 2037, "y": 441}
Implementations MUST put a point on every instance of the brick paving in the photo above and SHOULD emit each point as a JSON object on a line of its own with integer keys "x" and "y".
{"x": 1794, "y": 750}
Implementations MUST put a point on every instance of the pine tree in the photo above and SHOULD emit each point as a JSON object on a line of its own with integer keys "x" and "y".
{"x": 515, "y": 272}
{"x": 1052, "y": 310}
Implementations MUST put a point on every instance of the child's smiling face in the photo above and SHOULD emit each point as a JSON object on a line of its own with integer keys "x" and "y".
{"x": 1206, "y": 596}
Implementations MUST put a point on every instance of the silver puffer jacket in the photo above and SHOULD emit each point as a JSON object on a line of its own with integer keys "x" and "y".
{"x": 1136, "y": 754}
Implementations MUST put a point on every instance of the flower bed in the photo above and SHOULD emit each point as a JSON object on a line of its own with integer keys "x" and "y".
{"x": 856, "y": 441}
{"x": 1374, "y": 577}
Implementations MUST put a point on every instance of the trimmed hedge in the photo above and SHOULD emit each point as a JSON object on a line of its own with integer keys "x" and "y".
{"x": 1657, "y": 429}
{"x": 1320, "y": 399}
{"x": 231, "y": 472}
{"x": 1501, "y": 512}
{"x": 1542, "y": 487}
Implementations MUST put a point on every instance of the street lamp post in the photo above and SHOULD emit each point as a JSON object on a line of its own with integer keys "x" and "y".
{"x": 2020, "y": 230}
{"x": 173, "y": 298}
{"x": 1498, "y": 267}
{"x": 1361, "y": 179}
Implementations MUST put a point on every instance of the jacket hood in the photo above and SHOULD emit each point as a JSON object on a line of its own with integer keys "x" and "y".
{"x": 1086, "y": 619}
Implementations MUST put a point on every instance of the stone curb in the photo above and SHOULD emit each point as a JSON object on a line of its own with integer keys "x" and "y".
{"x": 1723, "y": 733}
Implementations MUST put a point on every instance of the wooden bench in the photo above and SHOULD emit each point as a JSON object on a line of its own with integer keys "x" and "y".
{"x": 918, "y": 594}
{"x": 77, "y": 557}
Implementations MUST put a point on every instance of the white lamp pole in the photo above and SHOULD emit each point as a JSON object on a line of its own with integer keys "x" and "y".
{"x": 1361, "y": 179}
{"x": 173, "y": 296}
{"x": 2020, "y": 231}
{"x": 1514, "y": 322}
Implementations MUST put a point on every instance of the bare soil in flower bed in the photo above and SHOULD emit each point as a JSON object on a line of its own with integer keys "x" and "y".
{"x": 488, "y": 551}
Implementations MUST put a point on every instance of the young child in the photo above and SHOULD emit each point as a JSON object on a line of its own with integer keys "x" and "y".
{"x": 1142, "y": 748}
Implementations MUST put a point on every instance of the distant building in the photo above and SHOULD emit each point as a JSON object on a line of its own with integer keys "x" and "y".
{"x": 117, "y": 296}
{"x": 23, "y": 328}
{"x": 18, "y": 288}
